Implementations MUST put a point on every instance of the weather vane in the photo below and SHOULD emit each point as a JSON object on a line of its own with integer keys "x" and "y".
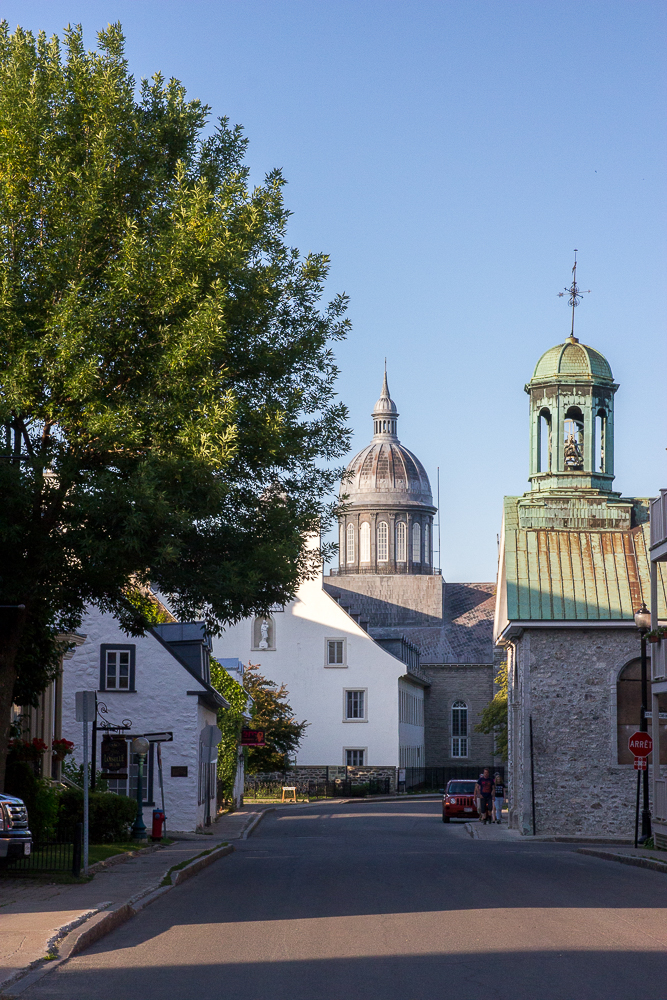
{"x": 574, "y": 294}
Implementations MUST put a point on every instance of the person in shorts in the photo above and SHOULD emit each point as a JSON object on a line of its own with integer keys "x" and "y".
{"x": 485, "y": 787}
{"x": 498, "y": 797}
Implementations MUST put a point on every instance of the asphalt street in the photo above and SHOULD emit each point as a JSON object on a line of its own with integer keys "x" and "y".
{"x": 382, "y": 901}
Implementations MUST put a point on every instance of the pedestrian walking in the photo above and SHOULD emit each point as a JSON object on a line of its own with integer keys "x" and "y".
{"x": 478, "y": 797}
{"x": 485, "y": 785}
{"x": 498, "y": 797}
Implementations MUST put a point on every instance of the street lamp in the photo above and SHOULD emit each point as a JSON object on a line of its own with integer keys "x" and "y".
{"x": 140, "y": 746}
{"x": 643, "y": 623}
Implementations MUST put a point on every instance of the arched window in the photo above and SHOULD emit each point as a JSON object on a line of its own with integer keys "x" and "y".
{"x": 383, "y": 542}
{"x": 401, "y": 542}
{"x": 459, "y": 729}
{"x": 427, "y": 544}
{"x": 628, "y": 705}
{"x": 365, "y": 542}
{"x": 573, "y": 440}
{"x": 416, "y": 543}
{"x": 544, "y": 441}
{"x": 341, "y": 546}
{"x": 600, "y": 434}
{"x": 350, "y": 544}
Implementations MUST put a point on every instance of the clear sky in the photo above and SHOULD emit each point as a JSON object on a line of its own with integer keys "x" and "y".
{"x": 449, "y": 157}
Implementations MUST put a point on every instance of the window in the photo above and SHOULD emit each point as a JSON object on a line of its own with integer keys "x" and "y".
{"x": 410, "y": 708}
{"x": 427, "y": 544}
{"x": 628, "y": 705}
{"x": 416, "y": 542}
{"x": 350, "y": 543}
{"x": 459, "y": 729}
{"x": 544, "y": 441}
{"x": 120, "y": 785}
{"x": 264, "y": 632}
{"x": 341, "y": 546}
{"x": 383, "y": 542}
{"x": 355, "y": 706}
{"x": 354, "y": 758}
{"x": 335, "y": 653}
{"x": 600, "y": 433}
{"x": 573, "y": 443}
{"x": 365, "y": 542}
{"x": 117, "y": 668}
{"x": 401, "y": 542}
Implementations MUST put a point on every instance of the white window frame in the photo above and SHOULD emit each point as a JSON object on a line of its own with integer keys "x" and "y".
{"x": 349, "y": 544}
{"x": 460, "y": 741}
{"x": 416, "y": 536}
{"x": 335, "y": 666}
{"x": 383, "y": 545}
{"x": 427, "y": 544}
{"x": 362, "y": 750}
{"x": 401, "y": 542}
{"x": 364, "y": 692}
{"x": 365, "y": 542}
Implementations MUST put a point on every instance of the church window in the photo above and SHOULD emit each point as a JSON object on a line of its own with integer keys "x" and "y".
{"x": 600, "y": 434}
{"x": 544, "y": 441}
{"x": 416, "y": 543}
{"x": 573, "y": 442}
{"x": 427, "y": 544}
{"x": 383, "y": 542}
{"x": 341, "y": 546}
{"x": 365, "y": 542}
{"x": 628, "y": 705}
{"x": 401, "y": 542}
{"x": 459, "y": 729}
{"x": 350, "y": 543}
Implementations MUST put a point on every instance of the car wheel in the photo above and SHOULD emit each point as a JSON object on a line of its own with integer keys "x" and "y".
{"x": 445, "y": 819}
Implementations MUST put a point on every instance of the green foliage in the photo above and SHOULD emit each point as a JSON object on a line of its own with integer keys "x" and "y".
{"x": 230, "y": 723}
{"x": 110, "y": 816}
{"x": 494, "y": 715}
{"x": 41, "y": 800}
{"x": 272, "y": 713}
{"x": 74, "y": 772}
{"x": 167, "y": 403}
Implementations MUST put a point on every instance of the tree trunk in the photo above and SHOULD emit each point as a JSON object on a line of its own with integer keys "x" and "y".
{"x": 12, "y": 625}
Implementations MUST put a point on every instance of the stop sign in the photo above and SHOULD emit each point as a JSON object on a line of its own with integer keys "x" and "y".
{"x": 640, "y": 744}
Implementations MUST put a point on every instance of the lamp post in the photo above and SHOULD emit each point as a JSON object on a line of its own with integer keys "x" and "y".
{"x": 140, "y": 746}
{"x": 643, "y": 623}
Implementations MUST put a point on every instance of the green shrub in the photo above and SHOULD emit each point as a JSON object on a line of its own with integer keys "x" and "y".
{"x": 110, "y": 816}
{"x": 40, "y": 799}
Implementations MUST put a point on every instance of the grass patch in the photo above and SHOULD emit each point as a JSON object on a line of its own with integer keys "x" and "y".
{"x": 167, "y": 880}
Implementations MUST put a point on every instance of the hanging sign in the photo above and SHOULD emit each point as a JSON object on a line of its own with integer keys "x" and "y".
{"x": 252, "y": 738}
{"x": 114, "y": 754}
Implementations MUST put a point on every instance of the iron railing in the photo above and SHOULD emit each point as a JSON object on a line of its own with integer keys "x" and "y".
{"x": 62, "y": 853}
{"x": 318, "y": 789}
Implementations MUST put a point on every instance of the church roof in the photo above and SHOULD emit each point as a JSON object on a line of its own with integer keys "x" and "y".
{"x": 580, "y": 575}
{"x": 572, "y": 360}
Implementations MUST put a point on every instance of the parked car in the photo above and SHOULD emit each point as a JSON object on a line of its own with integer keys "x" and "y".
{"x": 15, "y": 836}
{"x": 459, "y": 800}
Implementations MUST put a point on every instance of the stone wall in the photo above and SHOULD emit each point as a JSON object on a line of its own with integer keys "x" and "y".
{"x": 388, "y": 601}
{"x": 304, "y": 773}
{"x": 471, "y": 683}
{"x": 565, "y": 680}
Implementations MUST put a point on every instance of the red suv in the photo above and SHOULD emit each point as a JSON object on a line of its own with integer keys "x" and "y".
{"x": 459, "y": 800}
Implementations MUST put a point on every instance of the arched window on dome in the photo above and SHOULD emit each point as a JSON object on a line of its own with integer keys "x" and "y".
{"x": 427, "y": 544}
{"x": 383, "y": 542}
{"x": 365, "y": 542}
{"x": 341, "y": 546}
{"x": 349, "y": 554}
{"x": 401, "y": 542}
{"x": 416, "y": 543}
{"x": 573, "y": 440}
{"x": 544, "y": 441}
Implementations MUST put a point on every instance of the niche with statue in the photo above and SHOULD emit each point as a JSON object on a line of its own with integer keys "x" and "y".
{"x": 264, "y": 633}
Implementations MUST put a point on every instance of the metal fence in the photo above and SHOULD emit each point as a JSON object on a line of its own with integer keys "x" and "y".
{"x": 428, "y": 779}
{"x": 317, "y": 789}
{"x": 60, "y": 854}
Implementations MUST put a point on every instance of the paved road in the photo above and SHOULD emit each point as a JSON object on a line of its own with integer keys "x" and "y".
{"x": 384, "y": 902}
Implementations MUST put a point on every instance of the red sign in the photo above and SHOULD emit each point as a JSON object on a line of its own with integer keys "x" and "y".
{"x": 252, "y": 738}
{"x": 640, "y": 763}
{"x": 640, "y": 744}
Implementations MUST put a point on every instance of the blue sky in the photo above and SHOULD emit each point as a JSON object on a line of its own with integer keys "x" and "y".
{"x": 449, "y": 157}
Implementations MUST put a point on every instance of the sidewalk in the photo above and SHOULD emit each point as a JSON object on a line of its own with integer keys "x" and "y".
{"x": 36, "y": 915}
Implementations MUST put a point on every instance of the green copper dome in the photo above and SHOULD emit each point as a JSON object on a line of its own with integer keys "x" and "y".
{"x": 572, "y": 360}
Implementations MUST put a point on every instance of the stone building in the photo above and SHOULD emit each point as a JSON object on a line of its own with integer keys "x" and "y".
{"x": 387, "y": 582}
{"x": 574, "y": 567}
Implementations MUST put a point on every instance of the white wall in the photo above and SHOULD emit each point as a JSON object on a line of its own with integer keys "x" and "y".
{"x": 159, "y": 703}
{"x": 411, "y": 724}
{"x": 316, "y": 691}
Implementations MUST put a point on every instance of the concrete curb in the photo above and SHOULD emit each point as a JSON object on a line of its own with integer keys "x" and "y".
{"x": 255, "y": 821}
{"x": 626, "y": 859}
{"x": 91, "y": 930}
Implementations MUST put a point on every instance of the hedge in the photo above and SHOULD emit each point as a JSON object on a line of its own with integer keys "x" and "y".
{"x": 110, "y": 816}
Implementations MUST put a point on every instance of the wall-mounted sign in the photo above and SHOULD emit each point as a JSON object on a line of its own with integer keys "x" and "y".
{"x": 114, "y": 754}
{"x": 252, "y": 738}
{"x": 178, "y": 771}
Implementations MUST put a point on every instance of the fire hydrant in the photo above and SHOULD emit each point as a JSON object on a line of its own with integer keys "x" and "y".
{"x": 158, "y": 823}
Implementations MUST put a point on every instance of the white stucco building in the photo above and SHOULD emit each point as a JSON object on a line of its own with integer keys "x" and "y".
{"x": 364, "y": 705}
{"x": 158, "y": 682}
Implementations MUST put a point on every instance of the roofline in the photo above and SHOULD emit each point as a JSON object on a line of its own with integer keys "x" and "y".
{"x": 514, "y": 629}
{"x": 215, "y": 696}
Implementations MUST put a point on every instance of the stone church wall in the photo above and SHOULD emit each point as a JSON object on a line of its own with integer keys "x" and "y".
{"x": 566, "y": 680}
{"x": 389, "y": 601}
{"x": 471, "y": 683}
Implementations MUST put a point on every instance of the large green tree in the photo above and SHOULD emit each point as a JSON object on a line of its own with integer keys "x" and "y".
{"x": 166, "y": 375}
